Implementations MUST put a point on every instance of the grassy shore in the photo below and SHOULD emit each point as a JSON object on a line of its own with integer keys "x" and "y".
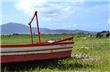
{"x": 89, "y": 54}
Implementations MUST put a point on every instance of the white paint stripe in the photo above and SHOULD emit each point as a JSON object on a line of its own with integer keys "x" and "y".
{"x": 35, "y": 48}
{"x": 36, "y": 52}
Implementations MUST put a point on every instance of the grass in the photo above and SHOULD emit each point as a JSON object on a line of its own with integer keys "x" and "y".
{"x": 94, "y": 52}
{"x": 23, "y": 39}
{"x": 89, "y": 54}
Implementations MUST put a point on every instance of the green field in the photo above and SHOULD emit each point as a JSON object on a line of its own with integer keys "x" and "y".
{"x": 24, "y": 39}
{"x": 89, "y": 54}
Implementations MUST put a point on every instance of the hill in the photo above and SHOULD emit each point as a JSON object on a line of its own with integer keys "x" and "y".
{"x": 11, "y": 28}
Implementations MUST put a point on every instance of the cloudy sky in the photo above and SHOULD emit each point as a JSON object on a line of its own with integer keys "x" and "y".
{"x": 91, "y": 15}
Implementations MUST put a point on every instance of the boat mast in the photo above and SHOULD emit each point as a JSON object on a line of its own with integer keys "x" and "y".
{"x": 35, "y": 14}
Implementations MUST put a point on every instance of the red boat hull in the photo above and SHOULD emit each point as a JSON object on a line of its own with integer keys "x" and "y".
{"x": 32, "y": 57}
{"x": 23, "y": 53}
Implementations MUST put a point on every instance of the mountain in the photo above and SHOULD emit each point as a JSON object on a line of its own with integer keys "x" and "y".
{"x": 11, "y": 28}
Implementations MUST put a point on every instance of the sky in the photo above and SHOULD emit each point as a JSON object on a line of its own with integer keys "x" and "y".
{"x": 90, "y": 15}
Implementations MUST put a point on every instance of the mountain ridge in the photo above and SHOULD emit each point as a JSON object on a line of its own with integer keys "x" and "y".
{"x": 10, "y": 28}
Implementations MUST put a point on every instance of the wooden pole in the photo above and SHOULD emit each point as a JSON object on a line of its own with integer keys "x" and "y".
{"x": 31, "y": 33}
{"x": 31, "y": 36}
{"x": 35, "y": 14}
{"x": 39, "y": 41}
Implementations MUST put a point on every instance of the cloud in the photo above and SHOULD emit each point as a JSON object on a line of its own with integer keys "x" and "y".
{"x": 109, "y": 21}
{"x": 48, "y": 8}
{"x": 72, "y": 13}
{"x": 108, "y": 24}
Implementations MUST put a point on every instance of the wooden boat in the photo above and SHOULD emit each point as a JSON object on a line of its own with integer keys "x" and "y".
{"x": 36, "y": 51}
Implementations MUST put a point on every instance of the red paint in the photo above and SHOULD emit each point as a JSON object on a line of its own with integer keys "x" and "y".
{"x": 38, "y": 27}
{"x": 35, "y": 15}
{"x": 31, "y": 36}
{"x": 31, "y": 45}
{"x": 32, "y": 57}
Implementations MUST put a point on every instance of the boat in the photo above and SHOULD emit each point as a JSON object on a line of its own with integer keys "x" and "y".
{"x": 57, "y": 49}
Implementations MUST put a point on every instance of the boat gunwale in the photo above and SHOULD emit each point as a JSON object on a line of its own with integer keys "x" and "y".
{"x": 32, "y": 45}
{"x": 38, "y": 50}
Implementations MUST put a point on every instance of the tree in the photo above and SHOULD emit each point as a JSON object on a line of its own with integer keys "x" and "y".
{"x": 103, "y": 34}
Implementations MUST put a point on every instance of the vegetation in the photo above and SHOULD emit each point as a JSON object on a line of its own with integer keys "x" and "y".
{"x": 24, "y": 39}
{"x": 103, "y": 34}
{"x": 89, "y": 54}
